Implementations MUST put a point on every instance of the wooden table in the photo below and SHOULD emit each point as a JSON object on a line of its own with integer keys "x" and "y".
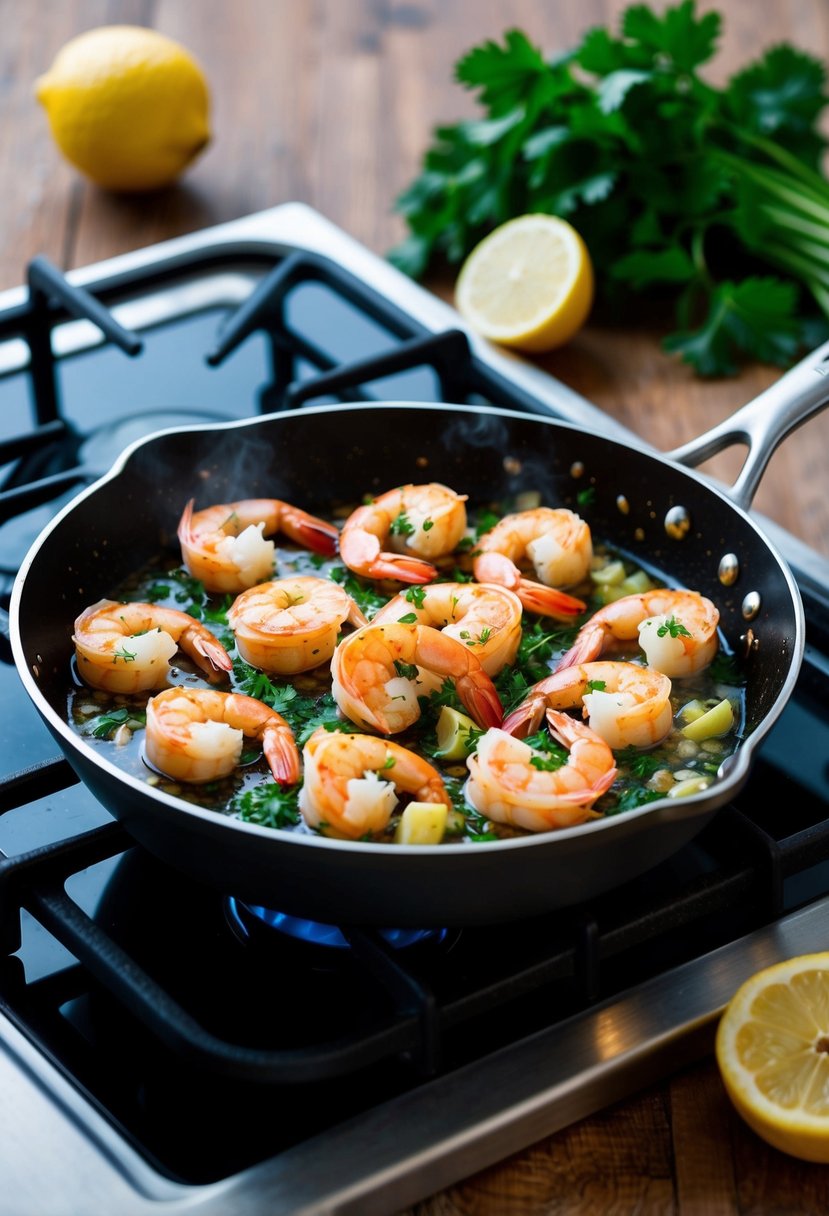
{"x": 333, "y": 103}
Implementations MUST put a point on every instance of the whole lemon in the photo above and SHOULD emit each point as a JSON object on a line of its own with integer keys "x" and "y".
{"x": 127, "y": 106}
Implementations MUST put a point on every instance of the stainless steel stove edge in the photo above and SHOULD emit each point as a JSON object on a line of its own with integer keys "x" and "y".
{"x": 422, "y": 1141}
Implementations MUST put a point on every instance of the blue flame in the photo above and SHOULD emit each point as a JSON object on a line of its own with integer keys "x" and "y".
{"x": 320, "y": 934}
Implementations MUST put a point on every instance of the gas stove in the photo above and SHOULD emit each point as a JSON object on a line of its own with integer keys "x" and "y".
{"x": 164, "y": 1046}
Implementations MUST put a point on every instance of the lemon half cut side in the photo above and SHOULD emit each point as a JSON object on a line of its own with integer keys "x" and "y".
{"x": 127, "y": 106}
{"x": 528, "y": 284}
{"x": 772, "y": 1049}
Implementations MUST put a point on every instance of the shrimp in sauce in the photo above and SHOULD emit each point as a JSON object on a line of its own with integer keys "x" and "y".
{"x": 628, "y": 705}
{"x": 195, "y": 735}
{"x": 507, "y": 787}
{"x": 377, "y": 676}
{"x": 352, "y": 782}
{"x": 484, "y": 617}
{"x": 558, "y": 544}
{"x": 677, "y": 630}
{"x": 126, "y": 647}
{"x": 225, "y": 547}
{"x": 402, "y": 532}
{"x": 291, "y": 624}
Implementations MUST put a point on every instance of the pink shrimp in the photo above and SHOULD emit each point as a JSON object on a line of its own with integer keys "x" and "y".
{"x": 380, "y": 670}
{"x": 195, "y": 735}
{"x": 400, "y": 533}
{"x": 676, "y": 629}
{"x": 127, "y": 647}
{"x": 628, "y": 705}
{"x": 505, "y": 786}
{"x": 225, "y": 547}
{"x": 559, "y": 545}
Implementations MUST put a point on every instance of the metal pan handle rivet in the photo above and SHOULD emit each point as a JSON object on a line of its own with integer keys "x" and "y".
{"x": 677, "y": 523}
{"x": 751, "y": 605}
{"x": 729, "y": 569}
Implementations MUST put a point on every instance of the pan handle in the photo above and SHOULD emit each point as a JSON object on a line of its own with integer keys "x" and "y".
{"x": 764, "y": 423}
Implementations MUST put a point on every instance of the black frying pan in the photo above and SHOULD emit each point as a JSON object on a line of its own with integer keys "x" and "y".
{"x": 317, "y": 457}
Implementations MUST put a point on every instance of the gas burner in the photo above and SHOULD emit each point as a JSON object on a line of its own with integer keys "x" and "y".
{"x": 246, "y": 920}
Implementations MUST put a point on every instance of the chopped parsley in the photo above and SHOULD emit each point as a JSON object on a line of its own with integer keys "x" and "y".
{"x": 127, "y": 655}
{"x": 268, "y": 805}
{"x": 415, "y": 595}
{"x": 106, "y": 724}
{"x": 407, "y": 670}
{"x": 401, "y": 525}
{"x": 674, "y": 627}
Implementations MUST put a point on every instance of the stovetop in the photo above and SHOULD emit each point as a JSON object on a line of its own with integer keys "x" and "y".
{"x": 170, "y": 1045}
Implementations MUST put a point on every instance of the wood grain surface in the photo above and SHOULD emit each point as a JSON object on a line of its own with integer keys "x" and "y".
{"x": 332, "y": 102}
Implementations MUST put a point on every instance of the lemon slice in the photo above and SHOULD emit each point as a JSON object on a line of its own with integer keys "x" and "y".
{"x": 528, "y": 285}
{"x": 455, "y": 742}
{"x": 772, "y": 1049}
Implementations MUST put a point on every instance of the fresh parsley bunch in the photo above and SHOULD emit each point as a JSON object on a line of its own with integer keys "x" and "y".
{"x": 712, "y": 197}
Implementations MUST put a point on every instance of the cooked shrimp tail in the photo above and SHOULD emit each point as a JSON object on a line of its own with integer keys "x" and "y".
{"x": 195, "y": 735}
{"x": 380, "y": 671}
{"x": 676, "y": 629}
{"x": 224, "y": 546}
{"x": 558, "y": 545}
{"x": 507, "y": 784}
{"x": 200, "y": 646}
{"x": 401, "y": 533}
{"x": 127, "y": 647}
{"x": 362, "y": 552}
{"x": 535, "y": 597}
{"x": 628, "y": 705}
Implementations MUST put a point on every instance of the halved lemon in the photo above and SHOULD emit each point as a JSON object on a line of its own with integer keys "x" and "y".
{"x": 528, "y": 284}
{"x": 772, "y": 1049}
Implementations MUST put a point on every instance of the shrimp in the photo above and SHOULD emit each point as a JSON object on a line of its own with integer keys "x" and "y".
{"x": 505, "y": 786}
{"x": 126, "y": 648}
{"x": 291, "y": 624}
{"x": 377, "y": 677}
{"x": 351, "y": 782}
{"x": 559, "y": 545}
{"x": 676, "y": 629}
{"x": 195, "y": 735}
{"x": 628, "y": 705}
{"x": 401, "y": 532}
{"x": 481, "y": 615}
{"x": 224, "y": 546}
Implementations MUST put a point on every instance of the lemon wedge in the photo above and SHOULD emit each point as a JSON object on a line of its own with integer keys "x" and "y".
{"x": 127, "y": 106}
{"x": 455, "y": 740}
{"x": 528, "y": 284}
{"x": 772, "y": 1049}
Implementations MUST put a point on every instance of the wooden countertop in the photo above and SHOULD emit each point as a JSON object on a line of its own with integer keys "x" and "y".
{"x": 332, "y": 103}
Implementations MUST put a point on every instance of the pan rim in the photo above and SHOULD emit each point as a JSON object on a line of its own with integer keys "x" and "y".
{"x": 724, "y": 787}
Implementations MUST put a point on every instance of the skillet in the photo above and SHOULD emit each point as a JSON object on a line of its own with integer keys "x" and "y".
{"x": 661, "y": 513}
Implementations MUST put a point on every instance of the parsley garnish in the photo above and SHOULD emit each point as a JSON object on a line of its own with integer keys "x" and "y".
{"x": 127, "y": 655}
{"x": 400, "y": 526}
{"x": 409, "y": 619}
{"x": 428, "y": 524}
{"x": 415, "y": 595}
{"x": 108, "y": 723}
{"x": 674, "y": 627}
{"x": 407, "y": 670}
{"x": 596, "y": 686}
{"x": 586, "y": 496}
{"x": 639, "y": 764}
{"x": 725, "y": 670}
{"x": 268, "y": 804}
{"x": 712, "y": 196}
